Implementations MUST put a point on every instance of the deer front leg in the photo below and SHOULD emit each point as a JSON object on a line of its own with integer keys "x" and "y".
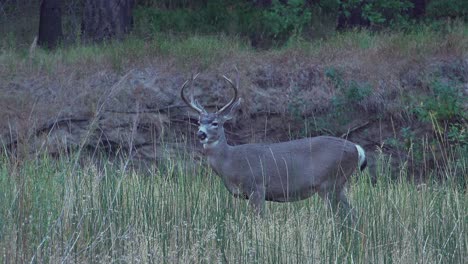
{"x": 257, "y": 200}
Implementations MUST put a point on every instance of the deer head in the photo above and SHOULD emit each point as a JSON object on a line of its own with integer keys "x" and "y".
{"x": 210, "y": 129}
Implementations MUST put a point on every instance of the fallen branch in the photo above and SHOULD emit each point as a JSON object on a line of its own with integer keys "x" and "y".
{"x": 345, "y": 135}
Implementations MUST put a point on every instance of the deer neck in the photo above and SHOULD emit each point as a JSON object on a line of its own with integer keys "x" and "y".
{"x": 216, "y": 151}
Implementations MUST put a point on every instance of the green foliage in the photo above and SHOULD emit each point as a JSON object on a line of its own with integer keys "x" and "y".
{"x": 458, "y": 134}
{"x": 352, "y": 92}
{"x": 357, "y": 92}
{"x": 443, "y": 109}
{"x": 383, "y": 12}
{"x": 296, "y": 103}
{"x": 407, "y": 141}
{"x": 204, "y": 50}
{"x": 285, "y": 20}
{"x": 215, "y": 17}
{"x": 278, "y": 22}
{"x": 335, "y": 76}
{"x": 379, "y": 12}
{"x": 447, "y": 8}
{"x": 445, "y": 103}
{"x": 348, "y": 100}
{"x": 328, "y": 6}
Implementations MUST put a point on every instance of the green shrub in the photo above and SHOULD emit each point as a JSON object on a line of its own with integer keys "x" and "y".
{"x": 356, "y": 92}
{"x": 217, "y": 16}
{"x": 445, "y": 103}
{"x": 328, "y": 6}
{"x": 285, "y": 20}
{"x": 382, "y": 12}
{"x": 335, "y": 76}
{"x": 352, "y": 92}
{"x": 279, "y": 22}
{"x": 447, "y": 8}
{"x": 379, "y": 12}
{"x": 458, "y": 134}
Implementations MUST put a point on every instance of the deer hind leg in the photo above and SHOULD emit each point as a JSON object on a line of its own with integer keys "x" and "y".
{"x": 336, "y": 198}
{"x": 348, "y": 209}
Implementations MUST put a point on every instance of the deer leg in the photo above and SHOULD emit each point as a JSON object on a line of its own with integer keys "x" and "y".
{"x": 348, "y": 209}
{"x": 257, "y": 200}
{"x": 336, "y": 198}
{"x": 329, "y": 198}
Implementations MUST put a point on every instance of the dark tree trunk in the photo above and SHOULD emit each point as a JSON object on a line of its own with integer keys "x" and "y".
{"x": 351, "y": 17}
{"x": 419, "y": 8}
{"x": 50, "y": 24}
{"x": 262, "y": 3}
{"x": 106, "y": 19}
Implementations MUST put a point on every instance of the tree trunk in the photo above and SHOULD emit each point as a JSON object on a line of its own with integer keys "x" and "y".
{"x": 50, "y": 24}
{"x": 106, "y": 19}
{"x": 262, "y": 3}
{"x": 419, "y": 8}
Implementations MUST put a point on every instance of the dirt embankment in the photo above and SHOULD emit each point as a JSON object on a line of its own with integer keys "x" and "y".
{"x": 139, "y": 112}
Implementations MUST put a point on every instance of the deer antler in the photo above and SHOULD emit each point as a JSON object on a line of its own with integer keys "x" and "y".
{"x": 192, "y": 103}
{"x": 235, "y": 87}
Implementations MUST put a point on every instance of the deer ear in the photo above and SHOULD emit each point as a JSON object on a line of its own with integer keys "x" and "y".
{"x": 229, "y": 113}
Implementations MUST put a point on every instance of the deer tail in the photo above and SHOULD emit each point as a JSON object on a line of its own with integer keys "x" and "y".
{"x": 361, "y": 157}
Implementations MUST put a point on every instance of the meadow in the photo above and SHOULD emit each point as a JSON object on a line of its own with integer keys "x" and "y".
{"x": 74, "y": 208}
{"x": 56, "y": 210}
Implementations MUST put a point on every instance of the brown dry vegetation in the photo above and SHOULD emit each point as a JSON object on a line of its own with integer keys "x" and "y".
{"x": 125, "y": 96}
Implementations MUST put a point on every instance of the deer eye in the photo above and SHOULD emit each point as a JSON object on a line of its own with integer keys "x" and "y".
{"x": 215, "y": 124}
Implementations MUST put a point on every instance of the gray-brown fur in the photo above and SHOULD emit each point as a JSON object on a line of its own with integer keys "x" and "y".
{"x": 280, "y": 172}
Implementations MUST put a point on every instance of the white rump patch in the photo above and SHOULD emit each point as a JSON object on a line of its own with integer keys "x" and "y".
{"x": 361, "y": 155}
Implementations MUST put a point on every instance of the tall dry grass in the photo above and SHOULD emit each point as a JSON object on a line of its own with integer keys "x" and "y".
{"x": 53, "y": 210}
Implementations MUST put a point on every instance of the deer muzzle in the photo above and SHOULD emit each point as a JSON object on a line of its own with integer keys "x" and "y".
{"x": 201, "y": 135}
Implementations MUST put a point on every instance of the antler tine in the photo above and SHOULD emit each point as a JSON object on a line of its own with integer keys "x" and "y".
{"x": 192, "y": 103}
{"x": 235, "y": 87}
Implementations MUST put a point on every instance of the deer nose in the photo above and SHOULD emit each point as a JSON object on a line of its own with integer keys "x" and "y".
{"x": 201, "y": 135}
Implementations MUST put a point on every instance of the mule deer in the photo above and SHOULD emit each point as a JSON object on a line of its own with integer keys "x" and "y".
{"x": 281, "y": 172}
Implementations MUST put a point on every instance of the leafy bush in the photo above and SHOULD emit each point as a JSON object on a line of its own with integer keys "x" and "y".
{"x": 278, "y": 22}
{"x": 382, "y": 12}
{"x": 447, "y": 8}
{"x": 378, "y": 12}
{"x": 444, "y": 104}
{"x": 328, "y": 6}
{"x": 458, "y": 134}
{"x": 335, "y": 76}
{"x": 356, "y": 92}
{"x": 353, "y": 92}
{"x": 151, "y": 20}
{"x": 216, "y": 16}
{"x": 285, "y": 20}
